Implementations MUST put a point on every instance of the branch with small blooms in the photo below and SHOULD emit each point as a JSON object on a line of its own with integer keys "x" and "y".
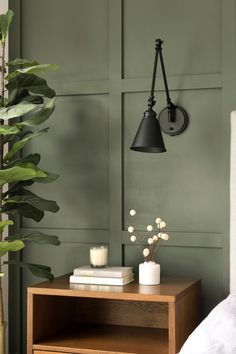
{"x": 149, "y": 244}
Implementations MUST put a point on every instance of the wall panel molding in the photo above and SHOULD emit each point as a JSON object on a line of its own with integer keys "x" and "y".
{"x": 175, "y": 83}
{"x": 184, "y": 239}
{"x": 75, "y": 235}
{"x": 116, "y": 130}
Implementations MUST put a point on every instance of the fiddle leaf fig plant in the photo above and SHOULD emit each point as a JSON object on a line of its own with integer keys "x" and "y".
{"x": 26, "y": 101}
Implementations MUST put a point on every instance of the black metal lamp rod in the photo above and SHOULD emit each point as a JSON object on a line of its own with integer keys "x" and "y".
{"x": 151, "y": 101}
{"x": 159, "y": 43}
{"x": 158, "y": 48}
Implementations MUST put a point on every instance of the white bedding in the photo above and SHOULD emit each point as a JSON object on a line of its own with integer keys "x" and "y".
{"x": 217, "y": 333}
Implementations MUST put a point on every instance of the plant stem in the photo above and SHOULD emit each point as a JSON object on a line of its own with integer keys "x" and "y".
{"x": 2, "y": 321}
{"x": 3, "y": 73}
{"x": 1, "y": 141}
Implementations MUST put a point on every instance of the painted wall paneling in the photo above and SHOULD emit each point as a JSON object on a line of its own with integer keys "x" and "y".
{"x": 105, "y": 51}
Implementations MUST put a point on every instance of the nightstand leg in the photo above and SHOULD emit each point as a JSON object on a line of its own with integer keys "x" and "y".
{"x": 29, "y": 323}
{"x": 183, "y": 318}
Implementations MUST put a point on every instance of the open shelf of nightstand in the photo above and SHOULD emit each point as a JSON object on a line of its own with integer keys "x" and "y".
{"x": 109, "y": 339}
{"x": 90, "y": 319}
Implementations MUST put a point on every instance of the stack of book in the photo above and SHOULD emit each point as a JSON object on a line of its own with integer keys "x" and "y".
{"x": 102, "y": 276}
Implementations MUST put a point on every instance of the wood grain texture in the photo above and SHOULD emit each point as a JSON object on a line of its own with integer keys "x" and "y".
{"x": 184, "y": 316}
{"x": 51, "y": 314}
{"x": 105, "y": 321}
{"x": 129, "y": 313}
{"x": 104, "y": 339}
{"x": 43, "y": 352}
{"x": 30, "y": 321}
{"x": 169, "y": 290}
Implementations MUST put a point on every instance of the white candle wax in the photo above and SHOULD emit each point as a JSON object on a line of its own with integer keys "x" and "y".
{"x": 99, "y": 256}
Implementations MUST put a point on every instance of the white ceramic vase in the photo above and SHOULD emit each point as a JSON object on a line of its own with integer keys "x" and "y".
{"x": 149, "y": 273}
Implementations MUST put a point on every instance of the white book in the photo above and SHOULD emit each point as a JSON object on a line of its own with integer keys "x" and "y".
{"x": 109, "y": 272}
{"x": 101, "y": 280}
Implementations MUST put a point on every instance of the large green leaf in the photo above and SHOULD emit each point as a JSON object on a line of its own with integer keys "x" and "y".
{"x": 26, "y": 197}
{"x": 32, "y": 83}
{"x": 31, "y": 158}
{"x": 39, "y": 116}
{"x": 16, "y": 96}
{"x": 8, "y": 129}
{"x": 16, "y": 111}
{"x": 35, "y": 236}
{"x": 5, "y": 21}
{"x": 35, "y": 69}
{"x": 21, "y": 143}
{"x": 22, "y": 172}
{"x": 12, "y": 246}
{"x": 33, "y": 99}
{"x": 22, "y": 62}
{"x": 14, "y": 188}
{"x": 38, "y": 270}
{"x": 26, "y": 210}
{"x": 51, "y": 177}
{"x": 3, "y": 224}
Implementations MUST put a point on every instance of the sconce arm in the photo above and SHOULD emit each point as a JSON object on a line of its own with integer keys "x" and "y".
{"x": 151, "y": 100}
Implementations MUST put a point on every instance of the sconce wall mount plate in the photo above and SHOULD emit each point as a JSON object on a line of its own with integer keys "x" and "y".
{"x": 175, "y": 126}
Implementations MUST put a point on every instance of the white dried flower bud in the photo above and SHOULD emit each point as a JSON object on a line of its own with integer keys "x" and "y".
{"x": 133, "y": 238}
{"x": 149, "y": 228}
{"x": 162, "y": 224}
{"x": 158, "y": 220}
{"x": 150, "y": 241}
{"x": 155, "y": 237}
{"x": 132, "y": 212}
{"x": 130, "y": 229}
{"x": 165, "y": 237}
{"x": 146, "y": 252}
{"x": 159, "y": 234}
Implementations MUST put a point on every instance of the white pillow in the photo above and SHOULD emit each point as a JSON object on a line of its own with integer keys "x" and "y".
{"x": 217, "y": 333}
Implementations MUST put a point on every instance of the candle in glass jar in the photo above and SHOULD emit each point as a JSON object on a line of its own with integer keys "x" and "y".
{"x": 99, "y": 256}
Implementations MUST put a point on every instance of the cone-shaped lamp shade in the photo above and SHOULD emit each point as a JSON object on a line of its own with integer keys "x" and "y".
{"x": 148, "y": 137}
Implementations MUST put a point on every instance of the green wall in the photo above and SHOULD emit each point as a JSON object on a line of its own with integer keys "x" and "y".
{"x": 105, "y": 52}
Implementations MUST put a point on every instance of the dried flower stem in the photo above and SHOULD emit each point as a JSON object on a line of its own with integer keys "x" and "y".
{"x": 148, "y": 245}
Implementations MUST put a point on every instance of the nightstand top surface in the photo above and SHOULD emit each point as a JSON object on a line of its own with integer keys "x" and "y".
{"x": 169, "y": 290}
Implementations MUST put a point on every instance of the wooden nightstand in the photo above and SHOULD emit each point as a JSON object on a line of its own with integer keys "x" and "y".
{"x": 99, "y": 319}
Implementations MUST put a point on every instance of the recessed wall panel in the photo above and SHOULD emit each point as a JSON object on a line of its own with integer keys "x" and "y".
{"x": 71, "y": 255}
{"x": 184, "y": 184}
{"x": 191, "y": 31}
{"x": 189, "y": 262}
{"x": 76, "y": 147}
{"x": 73, "y": 34}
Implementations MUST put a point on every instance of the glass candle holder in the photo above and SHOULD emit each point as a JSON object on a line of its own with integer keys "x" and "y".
{"x": 99, "y": 256}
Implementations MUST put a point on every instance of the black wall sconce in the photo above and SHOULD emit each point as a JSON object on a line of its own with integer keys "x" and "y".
{"x": 172, "y": 119}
